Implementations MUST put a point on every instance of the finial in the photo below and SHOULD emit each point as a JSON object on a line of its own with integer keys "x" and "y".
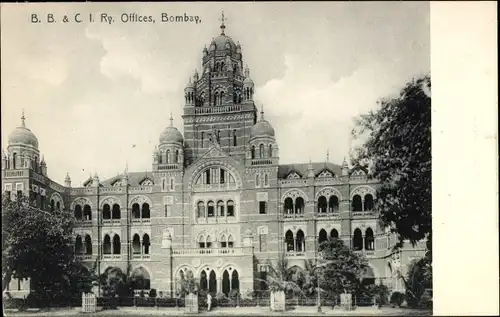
{"x": 328, "y": 155}
{"x": 247, "y": 71}
{"x": 171, "y": 120}
{"x": 344, "y": 163}
{"x": 67, "y": 176}
{"x": 222, "y": 26}
{"x": 23, "y": 119}
{"x": 262, "y": 113}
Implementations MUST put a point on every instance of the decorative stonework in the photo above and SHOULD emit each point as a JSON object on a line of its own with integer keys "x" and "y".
{"x": 147, "y": 182}
{"x": 362, "y": 191}
{"x": 294, "y": 193}
{"x": 325, "y": 174}
{"x": 293, "y": 175}
{"x": 110, "y": 201}
{"x": 327, "y": 192}
{"x": 140, "y": 200}
{"x": 57, "y": 198}
{"x": 262, "y": 196}
{"x": 82, "y": 201}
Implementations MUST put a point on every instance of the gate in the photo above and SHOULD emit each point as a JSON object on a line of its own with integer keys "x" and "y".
{"x": 89, "y": 303}
{"x": 191, "y": 304}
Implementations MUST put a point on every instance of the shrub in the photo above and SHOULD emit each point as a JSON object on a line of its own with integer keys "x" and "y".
{"x": 160, "y": 294}
{"x": 152, "y": 293}
{"x": 397, "y": 299}
{"x": 141, "y": 293}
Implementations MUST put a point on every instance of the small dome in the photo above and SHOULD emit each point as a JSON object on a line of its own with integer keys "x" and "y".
{"x": 222, "y": 42}
{"x": 248, "y": 81}
{"x": 190, "y": 85}
{"x": 171, "y": 134}
{"x": 23, "y": 135}
{"x": 262, "y": 128}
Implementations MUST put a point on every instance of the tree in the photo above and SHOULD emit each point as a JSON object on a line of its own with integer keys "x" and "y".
{"x": 396, "y": 150}
{"x": 417, "y": 281}
{"x": 36, "y": 244}
{"x": 188, "y": 284}
{"x": 280, "y": 277}
{"x": 342, "y": 269}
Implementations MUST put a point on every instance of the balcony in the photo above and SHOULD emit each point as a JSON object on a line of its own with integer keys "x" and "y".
{"x": 143, "y": 221}
{"x": 85, "y": 257}
{"x": 15, "y": 173}
{"x": 166, "y": 167}
{"x": 209, "y": 252}
{"x": 328, "y": 215}
{"x": 362, "y": 214}
{"x": 111, "y": 222}
{"x": 290, "y": 216}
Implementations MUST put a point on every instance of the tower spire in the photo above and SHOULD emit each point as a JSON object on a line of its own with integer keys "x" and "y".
{"x": 172, "y": 118}
{"x": 328, "y": 155}
{"x": 222, "y": 26}
{"x": 262, "y": 113}
{"x": 23, "y": 123}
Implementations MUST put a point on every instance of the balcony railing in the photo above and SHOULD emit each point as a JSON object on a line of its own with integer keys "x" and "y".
{"x": 262, "y": 162}
{"x": 295, "y": 253}
{"x": 293, "y": 216}
{"x": 217, "y": 109}
{"x": 209, "y": 251}
{"x": 85, "y": 257}
{"x": 334, "y": 214}
{"x": 215, "y": 187}
{"x": 139, "y": 221}
{"x": 169, "y": 166}
{"x": 111, "y": 256}
{"x": 141, "y": 256}
{"x": 111, "y": 222}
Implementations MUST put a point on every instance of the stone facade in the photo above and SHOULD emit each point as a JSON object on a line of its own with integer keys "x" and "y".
{"x": 217, "y": 201}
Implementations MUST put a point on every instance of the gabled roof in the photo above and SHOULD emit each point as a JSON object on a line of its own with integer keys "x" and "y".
{"x": 302, "y": 168}
{"x": 134, "y": 178}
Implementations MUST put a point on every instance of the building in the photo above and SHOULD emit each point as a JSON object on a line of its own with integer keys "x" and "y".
{"x": 217, "y": 202}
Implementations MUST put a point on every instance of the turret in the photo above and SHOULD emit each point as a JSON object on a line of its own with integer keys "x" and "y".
{"x": 248, "y": 85}
{"x": 43, "y": 167}
{"x": 310, "y": 170}
{"x": 95, "y": 180}
{"x": 189, "y": 93}
{"x": 67, "y": 181}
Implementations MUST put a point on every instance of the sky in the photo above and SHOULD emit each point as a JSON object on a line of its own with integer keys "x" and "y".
{"x": 98, "y": 95}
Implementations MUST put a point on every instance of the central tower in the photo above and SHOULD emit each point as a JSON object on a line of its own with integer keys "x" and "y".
{"x": 219, "y": 104}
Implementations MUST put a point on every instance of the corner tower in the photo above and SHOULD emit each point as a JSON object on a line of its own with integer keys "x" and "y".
{"x": 219, "y": 103}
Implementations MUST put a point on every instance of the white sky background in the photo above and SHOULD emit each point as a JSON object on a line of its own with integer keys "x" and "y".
{"x": 91, "y": 91}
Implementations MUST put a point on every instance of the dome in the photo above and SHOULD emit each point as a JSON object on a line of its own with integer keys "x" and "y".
{"x": 23, "y": 135}
{"x": 221, "y": 41}
{"x": 262, "y": 128}
{"x": 248, "y": 81}
{"x": 171, "y": 134}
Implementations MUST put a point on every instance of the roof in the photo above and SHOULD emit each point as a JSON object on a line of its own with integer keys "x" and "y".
{"x": 134, "y": 178}
{"x": 302, "y": 168}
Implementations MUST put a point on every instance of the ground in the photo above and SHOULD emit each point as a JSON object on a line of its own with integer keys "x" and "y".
{"x": 233, "y": 311}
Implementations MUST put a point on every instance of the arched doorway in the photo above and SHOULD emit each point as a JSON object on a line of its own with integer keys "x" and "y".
{"x": 226, "y": 286}
{"x": 235, "y": 281}
{"x": 212, "y": 282}
{"x": 322, "y": 236}
{"x": 203, "y": 280}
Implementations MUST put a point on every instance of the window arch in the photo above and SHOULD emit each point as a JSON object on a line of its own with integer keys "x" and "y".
{"x": 78, "y": 212}
{"x": 88, "y": 245}
{"x": 300, "y": 241}
{"x": 270, "y": 150}
{"x": 136, "y": 211}
{"x": 116, "y": 244}
{"x": 201, "y": 241}
{"x": 356, "y": 203}
{"x": 136, "y": 244}
{"x": 78, "y": 245}
{"x": 288, "y": 205}
{"x": 106, "y": 212}
{"x": 223, "y": 241}
{"x": 230, "y": 241}
{"x": 334, "y": 234}
{"x": 368, "y": 205}
{"x": 201, "y": 209}
{"x": 220, "y": 208}
{"x": 322, "y": 236}
{"x": 141, "y": 279}
{"x": 299, "y": 205}
{"x": 253, "y": 152}
{"x": 208, "y": 242}
{"x": 116, "y": 211}
{"x": 333, "y": 204}
{"x": 145, "y": 212}
{"x": 322, "y": 204}
{"x": 146, "y": 243}
{"x": 210, "y": 209}
{"x": 357, "y": 240}
{"x": 230, "y": 208}
{"x": 167, "y": 157}
{"x": 14, "y": 160}
{"x": 266, "y": 180}
{"x": 290, "y": 245}
{"x": 261, "y": 151}
{"x": 106, "y": 245}
{"x": 58, "y": 205}
{"x": 369, "y": 240}
{"x": 87, "y": 212}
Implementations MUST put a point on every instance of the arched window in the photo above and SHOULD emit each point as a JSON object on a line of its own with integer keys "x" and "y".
{"x": 52, "y": 205}
{"x": 168, "y": 157}
{"x": 333, "y": 204}
{"x": 116, "y": 244}
{"x": 116, "y": 211}
{"x": 176, "y": 156}
{"x": 145, "y": 213}
{"x": 221, "y": 99}
{"x": 253, "y": 151}
{"x": 141, "y": 278}
{"x": 211, "y": 209}
{"x": 136, "y": 211}
{"x": 220, "y": 208}
{"x": 78, "y": 212}
{"x": 235, "y": 281}
{"x": 78, "y": 245}
{"x": 261, "y": 151}
{"x": 201, "y": 209}
{"x": 58, "y": 205}
{"x": 322, "y": 204}
{"x": 234, "y": 137}
{"x": 87, "y": 212}
{"x": 209, "y": 242}
{"x": 322, "y": 236}
{"x": 223, "y": 241}
{"x": 88, "y": 245}
{"x": 106, "y": 245}
{"x": 289, "y": 241}
{"x": 14, "y": 160}
{"x": 368, "y": 202}
{"x": 300, "y": 241}
{"x": 266, "y": 180}
{"x": 270, "y": 150}
{"x": 136, "y": 244}
{"x": 357, "y": 240}
{"x": 334, "y": 234}
{"x": 230, "y": 208}
{"x": 299, "y": 205}
{"x": 288, "y": 205}
{"x": 145, "y": 244}
{"x": 201, "y": 241}
{"x": 230, "y": 241}
{"x": 106, "y": 212}
{"x": 356, "y": 203}
{"x": 257, "y": 180}
{"x": 160, "y": 158}
{"x": 369, "y": 240}
{"x": 216, "y": 99}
